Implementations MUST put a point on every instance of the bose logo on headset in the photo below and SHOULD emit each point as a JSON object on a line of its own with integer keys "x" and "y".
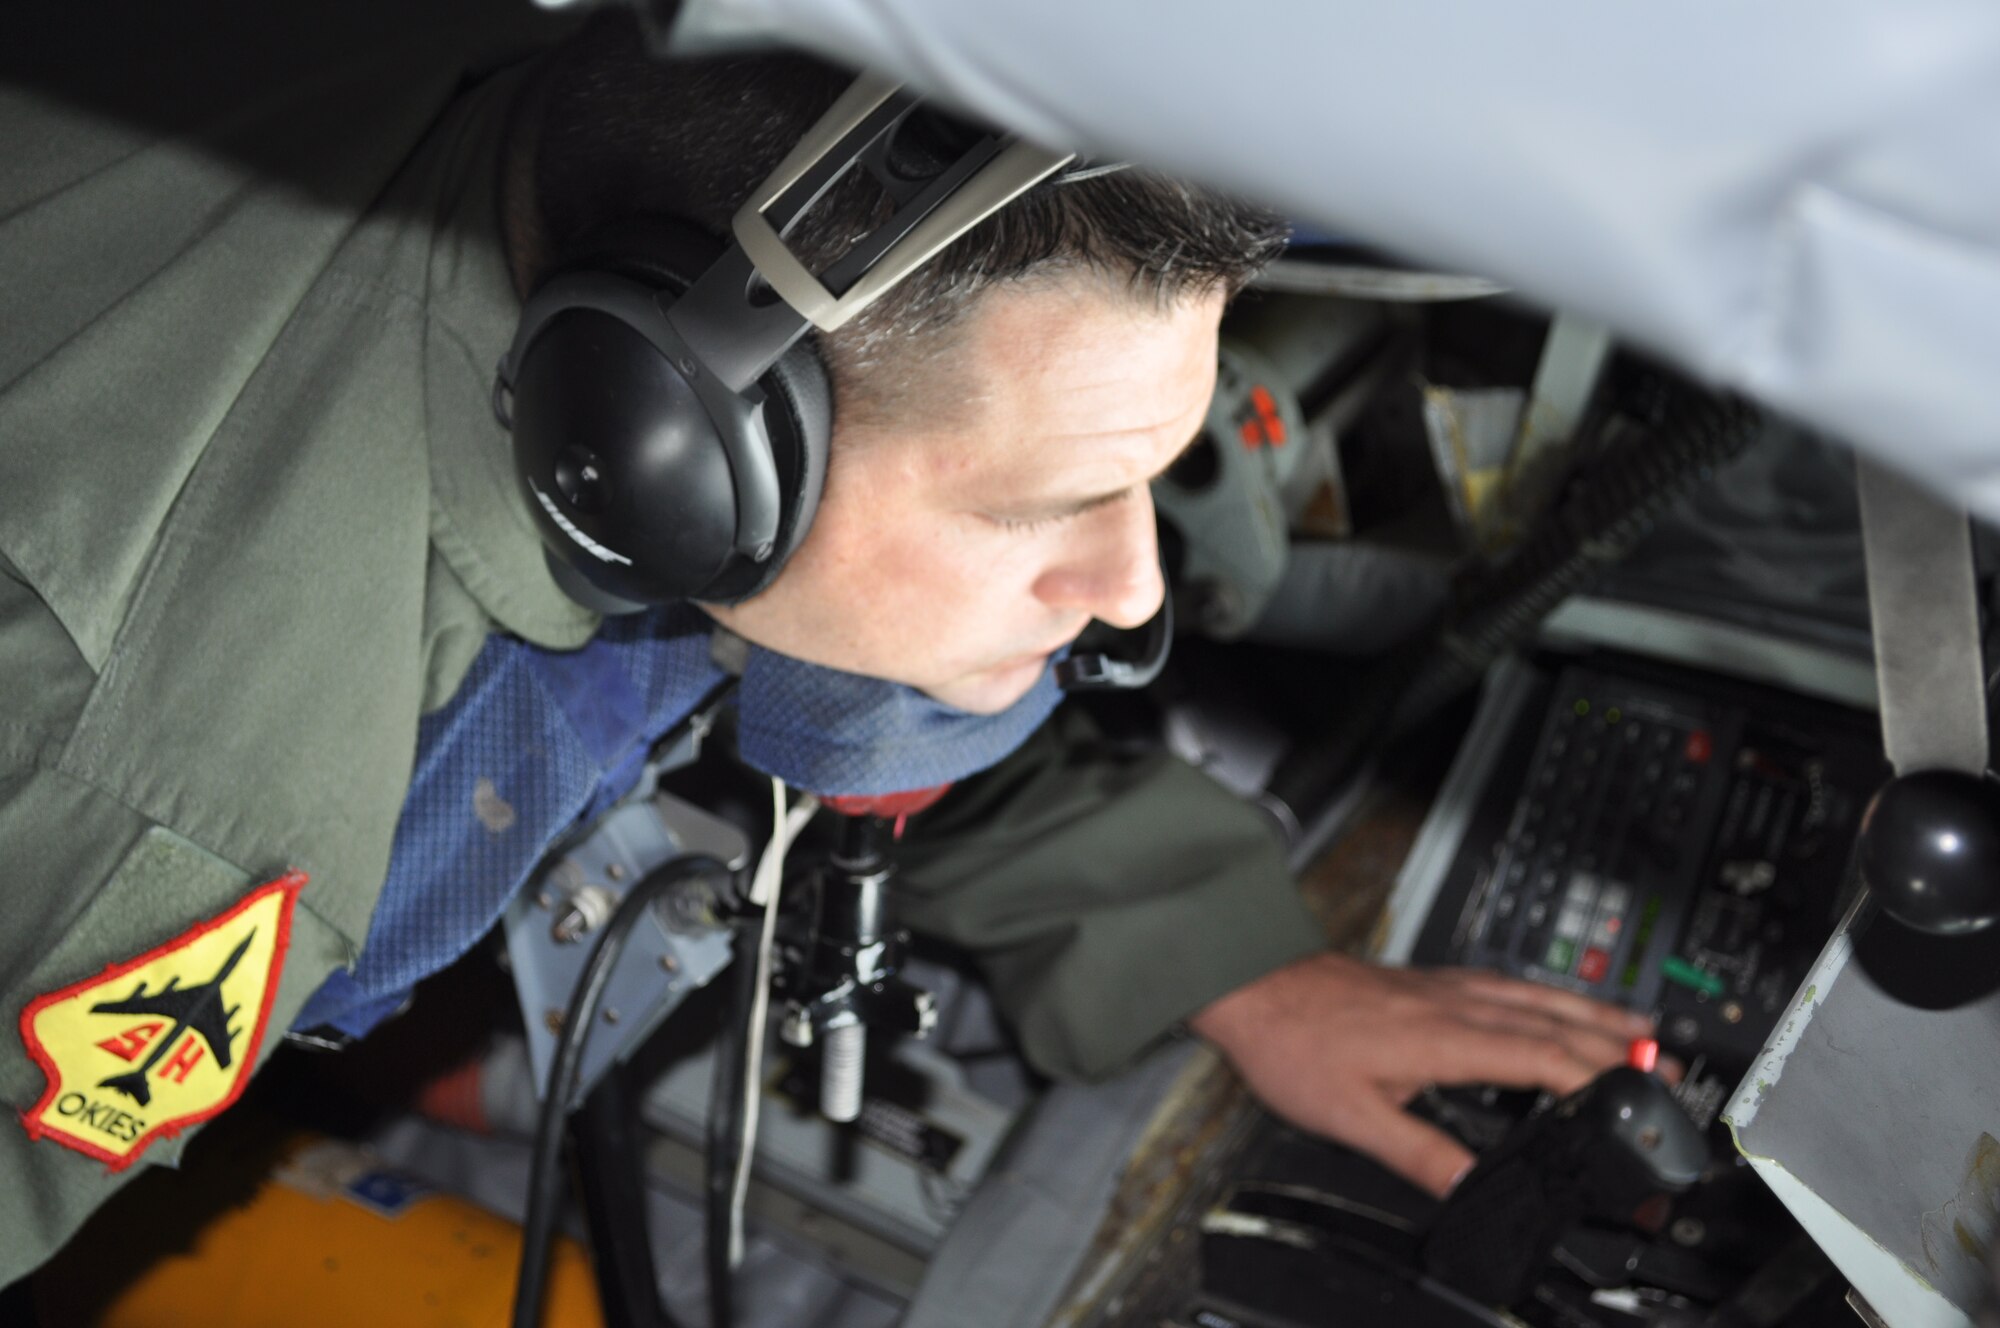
{"x": 673, "y": 429}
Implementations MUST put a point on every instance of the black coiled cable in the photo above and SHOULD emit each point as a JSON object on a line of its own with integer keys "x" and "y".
{"x": 1684, "y": 434}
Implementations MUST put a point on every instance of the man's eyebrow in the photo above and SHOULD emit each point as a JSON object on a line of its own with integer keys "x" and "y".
{"x": 1077, "y": 507}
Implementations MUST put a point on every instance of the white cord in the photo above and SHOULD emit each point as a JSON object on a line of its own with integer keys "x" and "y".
{"x": 765, "y": 884}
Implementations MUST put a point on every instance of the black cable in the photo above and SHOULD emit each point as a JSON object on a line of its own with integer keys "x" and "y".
{"x": 566, "y": 1070}
{"x": 725, "y": 1121}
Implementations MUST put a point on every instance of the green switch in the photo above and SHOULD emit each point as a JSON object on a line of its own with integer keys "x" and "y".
{"x": 1561, "y": 955}
{"x": 1676, "y": 969}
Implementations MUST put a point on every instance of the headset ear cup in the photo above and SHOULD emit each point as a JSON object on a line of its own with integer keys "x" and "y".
{"x": 669, "y": 254}
{"x": 798, "y": 416}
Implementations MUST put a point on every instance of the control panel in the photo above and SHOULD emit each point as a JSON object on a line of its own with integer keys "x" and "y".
{"x": 1672, "y": 843}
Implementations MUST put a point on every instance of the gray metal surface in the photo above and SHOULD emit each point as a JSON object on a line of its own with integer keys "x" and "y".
{"x": 1025, "y": 1232}
{"x": 1573, "y": 356}
{"x": 1889, "y": 1115}
{"x": 1565, "y": 377}
{"x": 837, "y": 1171}
{"x": 1719, "y": 647}
{"x": 1925, "y": 609}
{"x": 667, "y": 957}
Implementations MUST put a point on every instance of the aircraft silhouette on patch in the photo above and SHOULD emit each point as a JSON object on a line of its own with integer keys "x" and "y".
{"x": 197, "y": 1009}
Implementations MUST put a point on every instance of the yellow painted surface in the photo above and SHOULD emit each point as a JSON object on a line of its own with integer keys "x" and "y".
{"x": 309, "y": 1252}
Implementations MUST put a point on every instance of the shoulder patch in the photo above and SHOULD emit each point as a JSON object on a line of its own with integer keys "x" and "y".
{"x": 160, "y": 1042}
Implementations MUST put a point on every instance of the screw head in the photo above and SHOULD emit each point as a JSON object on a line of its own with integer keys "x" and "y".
{"x": 552, "y": 1019}
{"x": 1687, "y": 1231}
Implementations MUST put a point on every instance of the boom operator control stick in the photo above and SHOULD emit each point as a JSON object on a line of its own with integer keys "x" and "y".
{"x": 1611, "y": 1153}
{"x": 844, "y": 979}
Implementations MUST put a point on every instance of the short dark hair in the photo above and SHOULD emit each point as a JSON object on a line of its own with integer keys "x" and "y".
{"x": 624, "y": 134}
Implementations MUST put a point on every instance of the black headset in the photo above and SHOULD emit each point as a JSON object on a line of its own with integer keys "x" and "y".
{"x": 671, "y": 423}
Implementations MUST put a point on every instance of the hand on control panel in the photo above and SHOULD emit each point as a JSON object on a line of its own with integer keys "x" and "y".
{"x": 1338, "y": 1046}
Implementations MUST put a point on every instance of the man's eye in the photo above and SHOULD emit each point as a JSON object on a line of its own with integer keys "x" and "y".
{"x": 1024, "y": 525}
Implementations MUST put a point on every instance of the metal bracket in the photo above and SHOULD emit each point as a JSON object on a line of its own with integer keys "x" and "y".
{"x": 552, "y": 923}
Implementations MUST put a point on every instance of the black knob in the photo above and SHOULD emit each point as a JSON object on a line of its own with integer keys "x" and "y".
{"x": 1930, "y": 850}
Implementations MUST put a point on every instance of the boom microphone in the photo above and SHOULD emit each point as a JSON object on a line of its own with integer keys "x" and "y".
{"x": 1101, "y": 673}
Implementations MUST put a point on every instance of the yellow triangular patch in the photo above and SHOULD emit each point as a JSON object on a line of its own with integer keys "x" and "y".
{"x": 152, "y": 1045}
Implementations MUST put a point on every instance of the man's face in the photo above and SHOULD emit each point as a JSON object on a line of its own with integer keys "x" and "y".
{"x": 956, "y": 560}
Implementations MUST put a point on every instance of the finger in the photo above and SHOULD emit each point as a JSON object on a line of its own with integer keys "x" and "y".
{"x": 1567, "y": 1005}
{"x": 1587, "y": 1044}
{"x": 1471, "y": 1055}
{"x": 1557, "y": 1001}
{"x": 1422, "y": 1154}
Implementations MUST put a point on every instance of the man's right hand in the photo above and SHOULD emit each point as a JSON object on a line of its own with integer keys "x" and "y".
{"x": 1339, "y": 1046}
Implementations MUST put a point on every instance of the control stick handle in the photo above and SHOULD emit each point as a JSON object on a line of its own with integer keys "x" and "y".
{"x": 1600, "y": 1154}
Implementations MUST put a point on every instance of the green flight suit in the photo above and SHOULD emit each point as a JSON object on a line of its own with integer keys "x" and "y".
{"x": 256, "y": 518}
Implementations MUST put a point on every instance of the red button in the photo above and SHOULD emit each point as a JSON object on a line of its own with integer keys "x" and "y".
{"x": 1700, "y": 746}
{"x": 1596, "y": 963}
{"x": 1643, "y": 1054}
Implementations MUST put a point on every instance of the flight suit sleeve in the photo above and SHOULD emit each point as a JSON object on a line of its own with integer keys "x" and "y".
{"x": 1107, "y": 894}
{"x": 91, "y": 890}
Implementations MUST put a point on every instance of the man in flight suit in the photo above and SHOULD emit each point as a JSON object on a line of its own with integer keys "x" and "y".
{"x": 256, "y": 520}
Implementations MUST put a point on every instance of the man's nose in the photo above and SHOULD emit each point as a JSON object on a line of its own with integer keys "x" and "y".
{"x": 1113, "y": 574}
